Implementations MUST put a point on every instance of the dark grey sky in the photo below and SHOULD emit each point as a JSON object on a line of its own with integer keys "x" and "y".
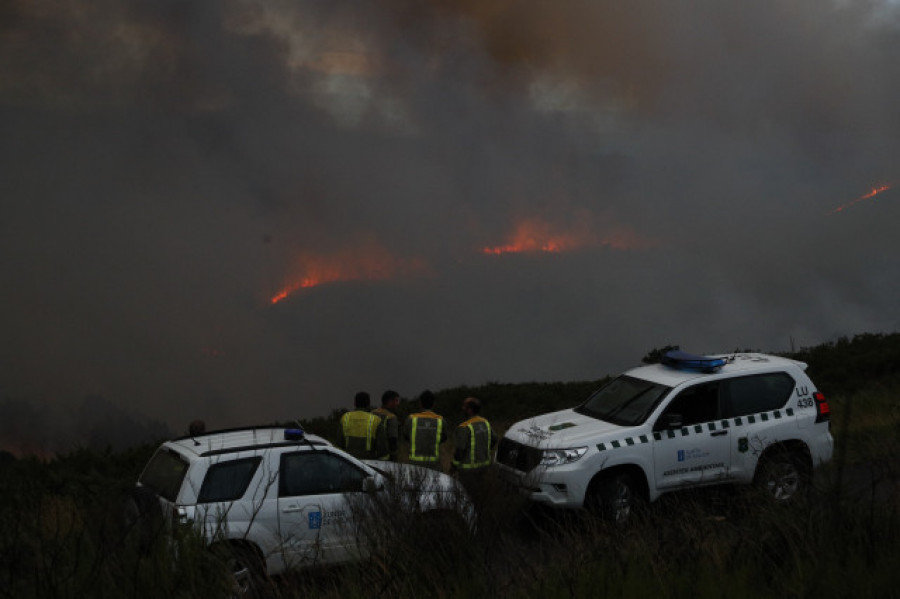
{"x": 169, "y": 167}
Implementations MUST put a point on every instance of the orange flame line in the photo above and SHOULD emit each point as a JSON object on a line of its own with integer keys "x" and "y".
{"x": 550, "y": 247}
{"x": 372, "y": 264}
{"x": 532, "y": 236}
{"x": 303, "y": 284}
{"x": 874, "y": 192}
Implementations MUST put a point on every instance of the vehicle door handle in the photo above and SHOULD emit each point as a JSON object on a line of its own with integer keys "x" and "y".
{"x": 292, "y": 508}
{"x": 718, "y": 433}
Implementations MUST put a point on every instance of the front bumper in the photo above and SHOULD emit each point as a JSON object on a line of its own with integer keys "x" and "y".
{"x": 557, "y": 486}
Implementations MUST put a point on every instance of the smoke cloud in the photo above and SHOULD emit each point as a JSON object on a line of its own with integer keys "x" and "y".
{"x": 654, "y": 172}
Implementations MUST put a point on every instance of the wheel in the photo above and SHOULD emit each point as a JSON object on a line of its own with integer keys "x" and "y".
{"x": 783, "y": 477}
{"x": 243, "y": 568}
{"x": 616, "y": 498}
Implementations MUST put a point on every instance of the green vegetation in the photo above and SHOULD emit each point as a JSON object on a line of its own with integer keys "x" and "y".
{"x": 61, "y": 532}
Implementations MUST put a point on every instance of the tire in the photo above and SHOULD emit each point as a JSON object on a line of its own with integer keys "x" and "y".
{"x": 615, "y": 498}
{"x": 243, "y": 568}
{"x": 783, "y": 477}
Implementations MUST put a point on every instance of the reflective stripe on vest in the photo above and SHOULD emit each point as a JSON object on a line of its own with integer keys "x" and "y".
{"x": 472, "y": 464}
{"x": 413, "y": 453}
{"x": 360, "y": 425}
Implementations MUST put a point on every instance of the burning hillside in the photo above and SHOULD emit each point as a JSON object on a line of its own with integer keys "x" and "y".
{"x": 369, "y": 262}
{"x": 533, "y": 235}
{"x": 872, "y": 193}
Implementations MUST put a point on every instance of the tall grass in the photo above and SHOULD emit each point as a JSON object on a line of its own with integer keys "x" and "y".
{"x": 697, "y": 545}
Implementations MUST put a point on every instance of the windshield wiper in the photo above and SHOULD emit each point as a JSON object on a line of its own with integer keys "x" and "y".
{"x": 609, "y": 415}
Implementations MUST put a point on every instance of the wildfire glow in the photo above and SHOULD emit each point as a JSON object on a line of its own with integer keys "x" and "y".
{"x": 874, "y": 192}
{"x": 370, "y": 263}
{"x": 538, "y": 236}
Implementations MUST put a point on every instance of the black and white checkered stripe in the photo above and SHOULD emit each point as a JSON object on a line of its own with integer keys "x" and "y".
{"x": 697, "y": 429}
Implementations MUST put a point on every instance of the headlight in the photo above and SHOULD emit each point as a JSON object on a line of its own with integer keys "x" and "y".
{"x": 558, "y": 457}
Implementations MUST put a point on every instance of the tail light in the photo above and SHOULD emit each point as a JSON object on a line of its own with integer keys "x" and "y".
{"x": 181, "y": 518}
{"x": 822, "y": 409}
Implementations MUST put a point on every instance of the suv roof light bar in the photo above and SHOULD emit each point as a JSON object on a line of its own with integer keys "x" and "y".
{"x": 294, "y": 434}
{"x": 685, "y": 361}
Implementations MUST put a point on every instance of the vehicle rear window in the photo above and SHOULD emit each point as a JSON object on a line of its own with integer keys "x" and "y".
{"x": 626, "y": 401}
{"x": 165, "y": 473}
{"x": 756, "y": 393}
{"x": 227, "y": 481}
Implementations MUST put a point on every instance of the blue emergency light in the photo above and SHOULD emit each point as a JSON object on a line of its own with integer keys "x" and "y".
{"x": 293, "y": 434}
{"x": 685, "y": 361}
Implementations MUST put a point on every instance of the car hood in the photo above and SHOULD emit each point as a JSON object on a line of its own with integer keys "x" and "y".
{"x": 421, "y": 489}
{"x": 563, "y": 429}
{"x": 412, "y": 477}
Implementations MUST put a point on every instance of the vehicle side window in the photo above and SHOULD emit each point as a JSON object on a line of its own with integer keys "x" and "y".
{"x": 317, "y": 473}
{"x": 227, "y": 481}
{"x": 696, "y": 404}
{"x": 756, "y": 393}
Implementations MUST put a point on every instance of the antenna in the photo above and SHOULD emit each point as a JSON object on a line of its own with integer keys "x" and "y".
{"x": 195, "y": 428}
{"x": 308, "y": 442}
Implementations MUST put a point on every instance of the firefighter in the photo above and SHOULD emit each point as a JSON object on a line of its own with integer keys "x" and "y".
{"x": 390, "y": 401}
{"x": 362, "y": 435}
{"x": 474, "y": 442}
{"x": 425, "y": 432}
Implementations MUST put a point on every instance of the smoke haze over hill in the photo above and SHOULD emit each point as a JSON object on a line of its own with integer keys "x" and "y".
{"x": 245, "y": 211}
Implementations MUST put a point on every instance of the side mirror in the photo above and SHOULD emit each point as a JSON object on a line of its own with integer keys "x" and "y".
{"x": 372, "y": 484}
{"x": 668, "y": 422}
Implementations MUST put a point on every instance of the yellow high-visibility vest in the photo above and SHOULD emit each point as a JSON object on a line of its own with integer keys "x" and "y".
{"x": 361, "y": 425}
{"x": 479, "y": 453}
{"x": 386, "y": 416}
{"x": 425, "y": 437}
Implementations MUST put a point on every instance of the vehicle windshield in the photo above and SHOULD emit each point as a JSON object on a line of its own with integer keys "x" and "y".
{"x": 625, "y": 401}
{"x": 165, "y": 473}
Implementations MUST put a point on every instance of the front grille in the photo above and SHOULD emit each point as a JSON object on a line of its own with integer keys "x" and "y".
{"x": 516, "y": 455}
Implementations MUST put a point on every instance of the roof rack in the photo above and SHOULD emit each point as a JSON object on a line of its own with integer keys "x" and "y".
{"x": 234, "y": 429}
{"x": 685, "y": 361}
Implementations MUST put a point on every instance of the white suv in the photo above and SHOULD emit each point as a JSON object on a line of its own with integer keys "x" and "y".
{"x": 689, "y": 421}
{"x": 277, "y": 498}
